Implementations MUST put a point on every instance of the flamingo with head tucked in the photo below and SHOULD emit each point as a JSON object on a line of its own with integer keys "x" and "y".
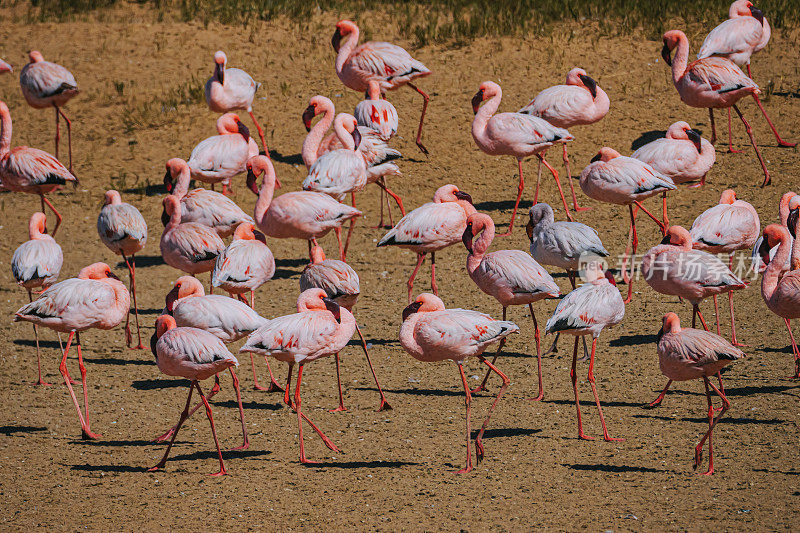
{"x": 388, "y": 64}
{"x": 516, "y": 134}
{"x": 220, "y": 157}
{"x": 682, "y": 155}
{"x": 245, "y": 265}
{"x": 190, "y": 247}
{"x": 377, "y": 113}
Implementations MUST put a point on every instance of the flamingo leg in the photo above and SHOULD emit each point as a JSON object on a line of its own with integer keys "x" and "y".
{"x": 384, "y": 405}
{"x": 245, "y": 439}
{"x": 287, "y": 399}
{"x": 730, "y": 136}
{"x": 58, "y": 131}
{"x": 425, "y": 100}
{"x": 712, "y": 422}
{"x": 381, "y": 198}
{"x": 38, "y": 357}
{"x": 128, "y": 337}
{"x": 482, "y": 386}
{"x": 56, "y": 213}
{"x": 590, "y": 377}
{"x": 661, "y": 225}
{"x": 781, "y": 142}
{"x": 506, "y": 383}
{"x": 63, "y": 369}
{"x": 184, "y": 415}
{"x": 349, "y": 231}
{"x": 260, "y": 132}
{"x": 634, "y": 246}
{"x": 468, "y": 400}
{"x": 573, "y": 374}
{"x": 713, "y": 126}
{"x": 626, "y": 256}
{"x": 575, "y": 205}
{"x": 664, "y": 208}
{"x": 339, "y": 383}
{"x": 210, "y": 416}
{"x": 794, "y": 349}
{"x": 558, "y": 183}
{"x": 716, "y": 314}
{"x": 538, "y": 181}
{"x": 87, "y": 432}
{"x": 755, "y": 147}
{"x": 730, "y": 306}
{"x": 171, "y": 431}
{"x": 338, "y": 232}
{"x": 397, "y": 199}
{"x": 273, "y": 385}
{"x": 69, "y": 136}
{"x": 434, "y": 287}
{"x": 520, "y": 188}
{"x": 410, "y": 283}
{"x": 657, "y": 401}
{"x": 696, "y": 309}
{"x": 256, "y": 384}
{"x": 537, "y": 339}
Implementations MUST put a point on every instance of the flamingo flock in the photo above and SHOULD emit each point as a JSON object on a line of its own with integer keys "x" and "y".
{"x": 194, "y": 330}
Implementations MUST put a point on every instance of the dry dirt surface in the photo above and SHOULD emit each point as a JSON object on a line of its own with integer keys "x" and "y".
{"x": 395, "y": 469}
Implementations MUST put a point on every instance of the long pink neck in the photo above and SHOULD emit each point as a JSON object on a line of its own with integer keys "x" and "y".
{"x": 769, "y": 280}
{"x": 182, "y": 187}
{"x": 265, "y": 193}
{"x": 5, "y": 132}
{"x": 34, "y": 233}
{"x": 479, "y": 247}
{"x": 174, "y": 219}
{"x": 347, "y": 48}
{"x": 344, "y": 136}
{"x": 482, "y": 119}
{"x": 680, "y": 60}
{"x": 314, "y": 137}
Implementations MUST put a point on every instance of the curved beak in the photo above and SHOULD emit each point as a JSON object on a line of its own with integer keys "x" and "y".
{"x": 334, "y": 308}
{"x": 463, "y": 196}
{"x": 219, "y": 73}
{"x": 476, "y": 101}
{"x": 308, "y": 116}
{"x": 153, "y": 342}
{"x": 666, "y": 240}
{"x": 168, "y": 181}
{"x": 243, "y": 131}
{"x": 172, "y": 297}
{"x": 694, "y": 136}
{"x": 665, "y": 53}
{"x": 763, "y": 250}
{"x": 590, "y": 84}
{"x": 610, "y": 277}
{"x": 467, "y": 237}
{"x": 757, "y": 14}
{"x": 336, "y": 40}
{"x": 791, "y": 221}
{"x": 260, "y": 237}
{"x": 356, "y": 138}
{"x": 411, "y": 309}
{"x": 112, "y": 275}
{"x": 165, "y": 218}
{"x": 529, "y": 230}
{"x": 659, "y": 334}
{"x": 595, "y": 158}
{"x": 251, "y": 181}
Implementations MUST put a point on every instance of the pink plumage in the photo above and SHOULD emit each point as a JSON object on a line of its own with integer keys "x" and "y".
{"x": 580, "y": 101}
{"x": 341, "y": 171}
{"x": 729, "y": 226}
{"x": 738, "y": 37}
{"x": 338, "y": 279}
{"x": 223, "y": 156}
{"x": 377, "y": 113}
{"x": 189, "y": 247}
{"x": 246, "y": 264}
{"x": 682, "y": 155}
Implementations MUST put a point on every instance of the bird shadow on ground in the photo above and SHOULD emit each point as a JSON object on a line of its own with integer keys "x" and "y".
{"x": 150, "y": 312}
{"x": 505, "y": 353}
{"x": 612, "y": 468}
{"x": 148, "y": 190}
{"x": 788, "y": 473}
{"x": 153, "y": 384}
{"x": 790, "y": 94}
{"x": 282, "y": 273}
{"x": 120, "y": 362}
{"x": 770, "y": 349}
{"x": 506, "y": 432}
{"x": 750, "y": 389}
{"x": 117, "y": 443}
{"x": 291, "y": 262}
{"x": 108, "y": 468}
{"x": 31, "y": 343}
{"x": 294, "y": 159}
{"x": 633, "y": 340}
{"x": 502, "y": 205}
{"x": 376, "y": 342}
{"x": 144, "y": 261}
{"x": 725, "y": 420}
{"x": 416, "y": 392}
{"x": 647, "y": 137}
{"x": 250, "y": 405}
{"x": 212, "y": 454}
{"x": 360, "y": 464}
{"x": 10, "y": 430}
{"x": 589, "y": 403}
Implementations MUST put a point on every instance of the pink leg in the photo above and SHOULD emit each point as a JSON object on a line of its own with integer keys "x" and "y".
{"x": 349, "y": 231}
{"x": 87, "y": 432}
{"x": 558, "y": 183}
{"x": 572, "y": 184}
{"x": 730, "y": 136}
{"x": 702, "y": 320}
{"x": 634, "y": 246}
{"x": 420, "y": 259}
{"x": 222, "y": 470}
{"x": 755, "y": 147}
{"x": 537, "y": 338}
{"x": 339, "y": 383}
{"x": 574, "y": 376}
{"x": 730, "y": 306}
{"x": 273, "y": 384}
{"x": 56, "y": 213}
{"x": 503, "y": 387}
{"x": 712, "y": 421}
{"x": 260, "y": 132}
{"x": 397, "y": 199}
{"x": 338, "y": 232}
{"x": 794, "y": 349}
{"x": 657, "y": 401}
{"x": 38, "y": 357}
{"x": 716, "y": 314}
{"x": 256, "y": 384}
{"x": 590, "y": 377}
{"x": 426, "y": 98}
{"x": 538, "y": 181}
{"x": 171, "y": 431}
{"x": 184, "y": 415}
{"x": 132, "y": 271}
{"x": 664, "y": 208}
{"x": 288, "y": 401}
{"x": 384, "y": 405}
{"x": 468, "y": 465}
{"x": 434, "y": 287}
{"x": 58, "y": 131}
{"x": 781, "y": 142}
{"x": 69, "y": 136}
{"x": 713, "y": 126}
{"x": 520, "y": 188}
{"x": 245, "y": 439}
{"x": 626, "y": 256}
{"x": 482, "y": 386}
{"x": 660, "y": 224}
{"x": 63, "y": 369}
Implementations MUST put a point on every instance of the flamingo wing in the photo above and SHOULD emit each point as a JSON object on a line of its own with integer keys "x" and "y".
{"x": 387, "y": 62}
{"x": 243, "y": 261}
{"x": 698, "y": 347}
{"x": 335, "y": 277}
{"x": 297, "y": 335}
{"x": 459, "y": 330}
{"x": 194, "y": 345}
{"x": 33, "y": 167}
{"x": 734, "y": 35}
{"x": 45, "y": 79}
{"x": 427, "y": 224}
{"x": 723, "y": 225}
{"x": 84, "y": 298}
{"x": 337, "y": 173}
{"x": 588, "y": 307}
{"x": 520, "y": 272}
{"x": 37, "y": 260}
{"x": 560, "y": 103}
{"x": 719, "y": 74}
{"x": 518, "y": 128}
{"x": 197, "y": 242}
{"x": 119, "y": 222}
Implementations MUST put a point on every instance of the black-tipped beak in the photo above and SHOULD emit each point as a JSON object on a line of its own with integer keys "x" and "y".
{"x": 219, "y": 73}
{"x": 694, "y": 136}
{"x": 153, "y": 342}
{"x": 665, "y": 53}
{"x": 666, "y": 240}
{"x": 791, "y": 221}
{"x": 590, "y": 84}
{"x": 336, "y": 40}
{"x": 251, "y": 181}
{"x": 467, "y": 237}
{"x": 529, "y": 230}
{"x": 171, "y": 298}
{"x": 463, "y": 196}
{"x": 334, "y": 308}
{"x": 763, "y": 250}
{"x": 168, "y": 181}
{"x": 659, "y": 334}
{"x": 165, "y": 218}
{"x": 757, "y": 14}
{"x": 356, "y": 138}
{"x": 308, "y": 116}
{"x": 243, "y": 131}
{"x": 476, "y": 101}
{"x": 411, "y": 309}
{"x": 595, "y": 158}
{"x": 610, "y": 277}
{"x": 260, "y": 237}
{"x": 111, "y": 275}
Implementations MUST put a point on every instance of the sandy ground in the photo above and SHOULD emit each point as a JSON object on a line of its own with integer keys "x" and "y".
{"x": 394, "y": 470}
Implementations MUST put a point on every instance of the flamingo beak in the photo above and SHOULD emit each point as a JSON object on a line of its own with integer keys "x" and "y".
{"x": 165, "y": 218}
{"x": 260, "y": 237}
{"x": 251, "y": 181}
{"x": 763, "y": 249}
{"x": 590, "y": 84}
{"x": 529, "y": 230}
{"x": 153, "y": 342}
{"x": 334, "y": 308}
{"x": 243, "y": 131}
{"x": 665, "y": 53}
{"x": 219, "y": 73}
{"x": 694, "y": 136}
{"x": 791, "y": 221}
{"x": 467, "y": 237}
{"x": 111, "y": 275}
{"x": 610, "y": 278}
{"x": 666, "y": 239}
{"x": 757, "y": 14}
{"x": 356, "y": 137}
{"x": 172, "y": 297}
{"x": 168, "y": 181}
{"x": 336, "y": 40}
{"x": 308, "y": 116}
{"x": 411, "y": 309}
{"x": 463, "y": 196}
{"x": 595, "y": 158}
{"x": 476, "y": 101}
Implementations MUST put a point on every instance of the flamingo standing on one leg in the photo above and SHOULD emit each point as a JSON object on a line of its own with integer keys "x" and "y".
{"x": 232, "y": 89}
{"x": 581, "y": 101}
{"x": 46, "y": 84}
{"x": 727, "y": 227}
{"x": 386, "y": 63}
{"x": 95, "y": 299}
{"x": 190, "y": 247}
{"x": 193, "y": 354}
{"x": 516, "y": 134}
{"x": 431, "y": 227}
{"x": 30, "y": 170}
{"x": 687, "y": 353}
{"x": 622, "y": 180}
{"x": 37, "y": 263}
{"x": 123, "y": 230}
{"x": 340, "y": 282}
{"x": 295, "y": 215}
{"x": 587, "y": 310}
{"x": 431, "y": 333}
{"x": 512, "y": 276}
{"x": 320, "y": 328}
{"x": 220, "y": 157}
{"x": 245, "y": 265}
{"x": 712, "y": 82}
{"x": 682, "y": 155}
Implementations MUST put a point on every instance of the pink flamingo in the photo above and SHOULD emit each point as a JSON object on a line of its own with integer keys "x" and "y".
{"x": 377, "y": 113}
{"x": 581, "y": 101}
{"x": 37, "y": 263}
{"x": 190, "y": 247}
{"x": 5, "y": 67}
{"x": 220, "y": 157}
{"x": 587, "y": 310}
{"x": 782, "y": 294}
{"x": 682, "y": 155}
{"x": 515, "y": 134}
{"x": 95, "y": 299}
{"x": 245, "y": 265}
{"x": 320, "y": 328}
{"x": 431, "y": 333}
{"x": 193, "y": 354}
{"x": 783, "y": 214}
{"x": 341, "y": 284}
{"x": 729, "y": 226}
{"x": 512, "y": 276}
{"x": 687, "y": 353}
{"x": 46, "y": 84}
{"x": 295, "y": 215}
{"x": 232, "y": 89}
{"x": 675, "y": 268}
{"x": 616, "y": 179}
{"x": 745, "y": 32}
{"x": 712, "y": 82}
{"x": 29, "y": 170}
{"x": 431, "y": 227}
{"x": 388, "y": 64}
{"x": 123, "y": 230}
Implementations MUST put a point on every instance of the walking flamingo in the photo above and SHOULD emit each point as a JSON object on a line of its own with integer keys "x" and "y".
{"x": 37, "y": 263}
{"x": 30, "y": 170}
{"x": 295, "y": 215}
{"x": 191, "y": 247}
{"x": 220, "y": 157}
{"x": 95, "y": 299}
{"x": 687, "y": 353}
{"x": 123, "y": 230}
{"x": 587, "y": 310}
{"x": 388, "y": 64}
{"x": 712, "y": 82}
{"x": 675, "y": 268}
{"x": 341, "y": 284}
{"x": 581, "y": 101}
{"x": 682, "y": 155}
{"x": 206, "y": 207}
{"x": 377, "y": 113}
{"x": 745, "y": 32}
{"x": 46, "y": 84}
{"x": 245, "y": 265}
{"x": 320, "y": 328}
{"x": 512, "y": 276}
{"x": 729, "y": 226}
{"x": 617, "y": 179}
{"x": 431, "y": 227}
{"x": 193, "y": 354}
{"x": 431, "y": 333}
{"x": 232, "y": 89}
{"x": 515, "y": 134}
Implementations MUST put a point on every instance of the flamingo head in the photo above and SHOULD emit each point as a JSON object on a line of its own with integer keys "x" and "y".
{"x": 242, "y": 130}
{"x": 538, "y": 213}
{"x": 98, "y": 271}
{"x": 745, "y": 8}
{"x": 772, "y": 237}
{"x": 728, "y": 196}
{"x": 112, "y": 197}
{"x": 35, "y": 56}
{"x": 605, "y": 154}
{"x": 670, "y": 39}
{"x": 309, "y": 114}
{"x": 610, "y": 277}
{"x": 669, "y": 324}
{"x": 578, "y": 76}
{"x": 343, "y": 29}
{"x": 487, "y": 90}
{"x": 244, "y": 231}
{"x": 334, "y": 308}
{"x": 424, "y": 302}
{"x": 37, "y": 225}
{"x": 220, "y": 60}
{"x": 468, "y": 235}
{"x": 171, "y": 206}
{"x": 5, "y": 67}
{"x": 694, "y": 136}
{"x": 256, "y": 166}
{"x": 677, "y": 236}
{"x": 174, "y": 168}
{"x": 317, "y": 254}
{"x": 164, "y": 323}
{"x": 794, "y": 215}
